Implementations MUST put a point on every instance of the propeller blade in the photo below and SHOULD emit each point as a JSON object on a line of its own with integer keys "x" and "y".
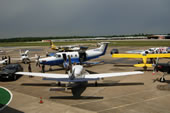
{"x": 70, "y": 64}
{"x": 37, "y": 61}
{"x": 155, "y": 66}
{"x": 72, "y": 74}
{"x": 157, "y": 60}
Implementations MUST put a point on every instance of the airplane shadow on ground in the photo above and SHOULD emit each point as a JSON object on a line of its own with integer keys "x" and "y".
{"x": 43, "y": 84}
{"x": 91, "y": 72}
{"x": 167, "y": 81}
{"x": 113, "y": 84}
{"x": 148, "y": 70}
{"x": 88, "y": 85}
{"x": 157, "y": 80}
{"x": 75, "y": 98}
{"x": 162, "y": 87}
{"x": 10, "y": 110}
{"x": 54, "y": 69}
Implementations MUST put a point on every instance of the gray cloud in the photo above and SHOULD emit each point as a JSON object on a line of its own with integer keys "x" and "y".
{"x": 82, "y": 17}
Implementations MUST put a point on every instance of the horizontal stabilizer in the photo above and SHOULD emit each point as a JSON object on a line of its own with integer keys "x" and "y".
{"x": 143, "y": 65}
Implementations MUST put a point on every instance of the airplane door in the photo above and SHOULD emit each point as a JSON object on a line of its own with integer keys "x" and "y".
{"x": 82, "y": 56}
{"x": 64, "y": 57}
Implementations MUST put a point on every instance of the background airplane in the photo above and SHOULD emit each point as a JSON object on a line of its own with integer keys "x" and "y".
{"x": 66, "y": 48}
{"x": 144, "y": 57}
{"x": 24, "y": 57}
{"x": 151, "y": 50}
{"x": 77, "y": 77}
{"x": 162, "y": 67}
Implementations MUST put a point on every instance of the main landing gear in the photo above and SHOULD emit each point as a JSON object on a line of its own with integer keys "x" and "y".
{"x": 162, "y": 79}
{"x": 96, "y": 83}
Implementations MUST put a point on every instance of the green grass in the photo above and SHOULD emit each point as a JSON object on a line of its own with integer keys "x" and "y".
{"x": 7, "y": 44}
{"x": 4, "y": 97}
{"x": 112, "y": 43}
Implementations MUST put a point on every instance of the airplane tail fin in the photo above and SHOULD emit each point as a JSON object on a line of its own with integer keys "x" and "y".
{"x": 26, "y": 52}
{"x": 52, "y": 46}
{"x": 103, "y": 47}
{"x": 143, "y": 65}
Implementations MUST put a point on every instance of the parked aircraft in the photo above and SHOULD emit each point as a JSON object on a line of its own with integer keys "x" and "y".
{"x": 79, "y": 57}
{"x": 77, "y": 77}
{"x": 24, "y": 57}
{"x": 162, "y": 67}
{"x": 144, "y": 57}
{"x": 66, "y": 48}
{"x": 5, "y": 60}
{"x": 151, "y": 50}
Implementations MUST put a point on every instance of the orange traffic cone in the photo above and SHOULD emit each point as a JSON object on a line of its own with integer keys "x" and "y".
{"x": 41, "y": 101}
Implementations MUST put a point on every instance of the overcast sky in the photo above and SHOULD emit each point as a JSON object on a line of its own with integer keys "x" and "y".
{"x": 23, "y": 18}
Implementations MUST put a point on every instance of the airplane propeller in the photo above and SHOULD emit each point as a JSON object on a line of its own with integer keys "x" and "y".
{"x": 155, "y": 66}
{"x": 37, "y": 61}
{"x": 68, "y": 65}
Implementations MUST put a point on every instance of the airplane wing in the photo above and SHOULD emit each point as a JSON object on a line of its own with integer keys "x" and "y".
{"x": 135, "y": 51}
{"x": 164, "y": 55}
{"x": 127, "y": 55}
{"x": 46, "y": 75}
{"x": 141, "y": 56}
{"x": 104, "y": 75}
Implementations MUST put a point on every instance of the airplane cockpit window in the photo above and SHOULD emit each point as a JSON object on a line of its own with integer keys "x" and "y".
{"x": 23, "y": 55}
{"x": 57, "y": 55}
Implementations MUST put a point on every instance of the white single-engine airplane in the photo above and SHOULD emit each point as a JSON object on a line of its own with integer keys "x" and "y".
{"x": 78, "y": 76}
{"x": 79, "y": 57}
{"x": 24, "y": 57}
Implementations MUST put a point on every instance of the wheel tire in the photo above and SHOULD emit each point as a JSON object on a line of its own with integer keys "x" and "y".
{"x": 162, "y": 79}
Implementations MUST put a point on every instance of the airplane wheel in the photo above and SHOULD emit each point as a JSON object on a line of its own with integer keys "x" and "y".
{"x": 96, "y": 84}
{"x": 26, "y": 61}
{"x": 162, "y": 79}
{"x": 145, "y": 68}
{"x": 59, "y": 83}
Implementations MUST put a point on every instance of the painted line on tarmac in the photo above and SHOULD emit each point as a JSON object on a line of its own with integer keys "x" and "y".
{"x": 9, "y": 100}
{"x": 125, "y": 105}
{"x": 114, "y": 97}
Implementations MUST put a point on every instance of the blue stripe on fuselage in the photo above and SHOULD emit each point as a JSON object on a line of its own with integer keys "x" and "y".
{"x": 59, "y": 62}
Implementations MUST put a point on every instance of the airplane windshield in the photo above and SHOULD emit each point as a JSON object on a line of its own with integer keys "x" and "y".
{"x": 57, "y": 55}
{"x": 23, "y": 55}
